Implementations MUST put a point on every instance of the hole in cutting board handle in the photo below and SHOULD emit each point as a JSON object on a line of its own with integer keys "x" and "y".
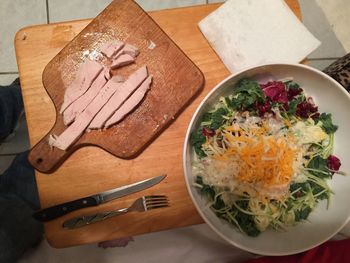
{"x": 45, "y": 159}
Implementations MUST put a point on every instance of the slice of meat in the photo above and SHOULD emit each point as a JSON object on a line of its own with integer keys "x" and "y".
{"x": 128, "y": 49}
{"x": 122, "y": 60}
{"x": 82, "y": 121}
{"x": 130, "y": 103}
{"x": 112, "y": 48}
{"x": 123, "y": 92}
{"x": 80, "y": 104}
{"x": 85, "y": 75}
{"x": 118, "y": 78}
{"x": 107, "y": 73}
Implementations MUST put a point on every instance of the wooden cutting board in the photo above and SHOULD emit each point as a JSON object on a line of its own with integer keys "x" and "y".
{"x": 176, "y": 80}
{"x": 92, "y": 170}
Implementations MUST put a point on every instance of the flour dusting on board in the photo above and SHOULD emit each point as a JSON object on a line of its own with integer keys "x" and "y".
{"x": 151, "y": 45}
{"x": 92, "y": 55}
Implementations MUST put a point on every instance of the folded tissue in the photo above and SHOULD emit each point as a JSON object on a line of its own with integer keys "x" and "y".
{"x": 245, "y": 33}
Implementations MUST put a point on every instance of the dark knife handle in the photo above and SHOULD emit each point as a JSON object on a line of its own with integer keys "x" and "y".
{"x": 54, "y": 212}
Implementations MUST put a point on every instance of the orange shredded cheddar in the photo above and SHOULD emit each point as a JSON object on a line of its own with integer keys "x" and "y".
{"x": 264, "y": 159}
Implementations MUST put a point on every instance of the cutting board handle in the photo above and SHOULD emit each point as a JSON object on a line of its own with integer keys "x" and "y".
{"x": 45, "y": 158}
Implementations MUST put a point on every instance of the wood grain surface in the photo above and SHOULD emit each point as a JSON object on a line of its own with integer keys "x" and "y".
{"x": 90, "y": 169}
{"x": 176, "y": 80}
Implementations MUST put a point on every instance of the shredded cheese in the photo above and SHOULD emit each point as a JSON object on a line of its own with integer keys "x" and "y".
{"x": 264, "y": 158}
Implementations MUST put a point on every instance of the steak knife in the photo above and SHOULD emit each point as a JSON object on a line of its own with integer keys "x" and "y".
{"x": 54, "y": 212}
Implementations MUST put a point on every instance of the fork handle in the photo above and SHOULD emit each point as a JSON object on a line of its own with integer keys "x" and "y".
{"x": 77, "y": 222}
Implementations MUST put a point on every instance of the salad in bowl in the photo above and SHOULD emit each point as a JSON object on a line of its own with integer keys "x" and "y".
{"x": 262, "y": 160}
{"x": 264, "y": 154}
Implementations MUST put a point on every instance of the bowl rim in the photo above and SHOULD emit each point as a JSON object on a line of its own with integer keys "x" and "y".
{"x": 184, "y": 159}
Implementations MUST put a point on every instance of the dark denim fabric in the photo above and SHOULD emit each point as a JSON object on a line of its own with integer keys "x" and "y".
{"x": 11, "y": 105}
{"x": 18, "y": 191}
{"x": 18, "y": 230}
{"x": 19, "y": 179}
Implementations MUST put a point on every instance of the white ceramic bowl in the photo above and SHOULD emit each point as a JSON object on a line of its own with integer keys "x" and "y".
{"x": 322, "y": 224}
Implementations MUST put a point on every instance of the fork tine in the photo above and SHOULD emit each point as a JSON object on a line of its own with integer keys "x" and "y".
{"x": 155, "y": 197}
{"x": 156, "y": 202}
{"x": 157, "y": 206}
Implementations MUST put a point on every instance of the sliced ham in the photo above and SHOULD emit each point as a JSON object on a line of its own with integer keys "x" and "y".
{"x": 122, "y": 60}
{"x": 80, "y": 104}
{"x": 123, "y": 92}
{"x": 128, "y": 49}
{"x": 82, "y": 121}
{"x": 130, "y": 103}
{"x": 86, "y": 74}
{"x": 112, "y": 48}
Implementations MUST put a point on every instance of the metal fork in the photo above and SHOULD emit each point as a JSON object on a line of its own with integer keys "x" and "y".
{"x": 142, "y": 204}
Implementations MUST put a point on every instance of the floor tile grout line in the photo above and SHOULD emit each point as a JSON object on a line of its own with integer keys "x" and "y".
{"x": 8, "y": 73}
{"x": 47, "y": 12}
{"x": 329, "y": 58}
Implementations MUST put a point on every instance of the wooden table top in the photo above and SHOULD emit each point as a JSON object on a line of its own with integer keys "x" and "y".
{"x": 91, "y": 170}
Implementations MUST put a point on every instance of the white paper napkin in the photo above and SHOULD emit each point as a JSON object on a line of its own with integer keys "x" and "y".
{"x": 245, "y": 33}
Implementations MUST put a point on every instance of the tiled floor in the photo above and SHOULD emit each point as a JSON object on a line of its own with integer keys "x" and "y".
{"x": 321, "y": 28}
{"x": 90, "y": 8}
{"x": 15, "y": 14}
{"x": 337, "y": 14}
{"x": 17, "y": 143}
{"x": 7, "y": 78}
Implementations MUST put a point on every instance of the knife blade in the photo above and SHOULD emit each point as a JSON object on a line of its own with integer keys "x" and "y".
{"x": 56, "y": 211}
